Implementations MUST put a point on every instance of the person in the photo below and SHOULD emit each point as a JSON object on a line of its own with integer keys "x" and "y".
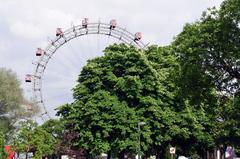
{"x": 230, "y": 152}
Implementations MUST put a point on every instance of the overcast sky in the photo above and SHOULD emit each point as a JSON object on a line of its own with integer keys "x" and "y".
{"x": 26, "y": 24}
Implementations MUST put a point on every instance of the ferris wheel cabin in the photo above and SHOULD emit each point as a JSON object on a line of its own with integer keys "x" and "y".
{"x": 39, "y": 52}
{"x": 29, "y": 107}
{"x": 28, "y": 78}
{"x": 113, "y": 24}
{"x": 59, "y": 32}
{"x": 85, "y": 22}
{"x": 138, "y": 36}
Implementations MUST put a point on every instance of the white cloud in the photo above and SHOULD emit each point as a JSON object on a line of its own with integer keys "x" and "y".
{"x": 26, "y": 30}
{"x": 3, "y": 46}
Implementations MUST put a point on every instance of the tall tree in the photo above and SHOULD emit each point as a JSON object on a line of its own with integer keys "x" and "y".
{"x": 212, "y": 46}
{"x": 209, "y": 54}
{"x": 115, "y": 92}
{"x": 11, "y": 101}
{"x": 126, "y": 86}
{"x": 185, "y": 123}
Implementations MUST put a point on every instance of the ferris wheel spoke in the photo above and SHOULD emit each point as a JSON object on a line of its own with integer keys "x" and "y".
{"x": 60, "y": 63}
{"x": 59, "y": 85}
{"x": 64, "y": 61}
{"x": 68, "y": 63}
{"x": 57, "y": 75}
{"x": 72, "y": 60}
{"x": 58, "y": 100}
{"x": 98, "y": 43}
{"x": 89, "y": 45}
{"x": 56, "y": 96}
{"x": 54, "y": 76}
{"x": 108, "y": 41}
{"x": 76, "y": 57}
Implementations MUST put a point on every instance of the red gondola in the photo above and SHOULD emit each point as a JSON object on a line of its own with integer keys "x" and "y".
{"x": 29, "y": 108}
{"x": 85, "y": 22}
{"x": 28, "y": 78}
{"x": 113, "y": 24}
{"x": 59, "y": 32}
{"x": 138, "y": 36}
{"x": 39, "y": 52}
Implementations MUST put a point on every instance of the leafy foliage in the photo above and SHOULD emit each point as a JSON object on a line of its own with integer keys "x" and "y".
{"x": 3, "y": 154}
{"x": 212, "y": 46}
{"x": 117, "y": 91}
{"x": 208, "y": 52}
{"x": 11, "y": 101}
{"x": 54, "y": 127}
{"x": 32, "y": 138}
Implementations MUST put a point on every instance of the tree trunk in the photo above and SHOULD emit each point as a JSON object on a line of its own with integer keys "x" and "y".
{"x": 146, "y": 155}
{"x": 202, "y": 154}
{"x": 121, "y": 155}
{"x": 160, "y": 154}
{"x": 109, "y": 154}
{"x": 207, "y": 154}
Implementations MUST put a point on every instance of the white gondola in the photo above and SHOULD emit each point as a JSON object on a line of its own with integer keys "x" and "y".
{"x": 113, "y": 24}
{"x": 85, "y": 22}
{"x": 28, "y": 78}
{"x": 138, "y": 36}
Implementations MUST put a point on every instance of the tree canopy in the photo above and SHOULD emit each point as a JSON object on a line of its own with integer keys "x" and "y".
{"x": 110, "y": 99}
{"x": 12, "y": 101}
{"x": 33, "y": 138}
{"x": 127, "y": 86}
{"x": 211, "y": 45}
{"x": 208, "y": 52}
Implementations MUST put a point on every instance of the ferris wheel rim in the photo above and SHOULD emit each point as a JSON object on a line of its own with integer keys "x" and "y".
{"x": 72, "y": 33}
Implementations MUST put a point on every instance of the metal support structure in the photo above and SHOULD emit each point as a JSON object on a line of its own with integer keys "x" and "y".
{"x": 100, "y": 28}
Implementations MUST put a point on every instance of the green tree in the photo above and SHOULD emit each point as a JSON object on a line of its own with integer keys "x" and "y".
{"x": 63, "y": 138}
{"x": 11, "y": 101}
{"x": 3, "y": 154}
{"x": 33, "y": 138}
{"x": 118, "y": 90}
{"x": 185, "y": 122}
{"x": 208, "y": 53}
{"x": 211, "y": 45}
{"x": 55, "y": 127}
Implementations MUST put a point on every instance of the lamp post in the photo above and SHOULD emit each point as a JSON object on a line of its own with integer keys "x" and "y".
{"x": 139, "y": 138}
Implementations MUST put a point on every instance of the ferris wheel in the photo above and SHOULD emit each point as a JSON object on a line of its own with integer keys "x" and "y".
{"x": 47, "y": 54}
